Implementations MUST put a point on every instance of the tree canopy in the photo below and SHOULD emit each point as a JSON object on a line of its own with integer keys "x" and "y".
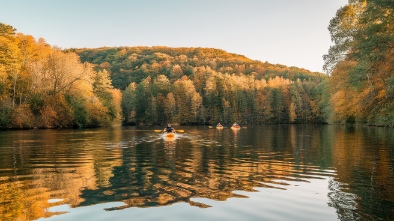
{"x": 206, "y": 86}
{"x": 361, "y": 62}
{"x": 45, "y": 87}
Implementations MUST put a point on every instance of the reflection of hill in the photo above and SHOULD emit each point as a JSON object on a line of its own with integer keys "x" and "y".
{"x": 144, "y": 186}
{"x": 92, "y": 167}
{"x": 153, "y": 176}
{"x": 18, "y": 203}
{"x": 81, "y": 169}
{"x": 50, "y": 170}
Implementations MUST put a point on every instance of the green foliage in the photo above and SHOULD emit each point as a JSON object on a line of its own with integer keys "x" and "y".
{"x": 6, "y": 30}
{"x": 80, "y": 114}
{"x": 224, "y": 99}
{"x": 5, "y": 113}
{"x": 129, "y": 104}
{"x": 278, "y": 106}
{"x": 363, "y": 35}
{"x": 323, "y": 90}
{"x": 36, "y": 103}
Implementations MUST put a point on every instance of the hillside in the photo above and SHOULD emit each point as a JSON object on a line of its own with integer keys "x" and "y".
{"x": 44, "y": 87}
{"x": 132, "y": 64}
{"x": 205, "y": 86}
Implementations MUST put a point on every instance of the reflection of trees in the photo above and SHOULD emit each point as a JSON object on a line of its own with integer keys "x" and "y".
{"x": 363, "y": 188}
{"x": 91, "y": 167}
{"x": 18, "y": 203}
{"x": 47, "y": 167}
{"x": 151, "y": 175}
{"x": 344, "y": 202}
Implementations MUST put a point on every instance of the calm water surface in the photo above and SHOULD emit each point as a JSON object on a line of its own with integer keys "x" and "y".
{"x": 285, "y": 172}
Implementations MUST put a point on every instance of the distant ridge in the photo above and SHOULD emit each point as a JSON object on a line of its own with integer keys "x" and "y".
{"x": 206, "y": 85}
{"x": 132, "y": 64}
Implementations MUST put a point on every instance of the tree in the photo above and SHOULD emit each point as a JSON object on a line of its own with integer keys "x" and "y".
{"x": 364, "y": 39}
{"x": 6, "y": 30}
{"x": 263, "y": 108}
{"x": 184, "y": 91}
{"x": 278, "y": 106}
{"x": 170, "y": 107}
{"x": 101, "y": 81}
{"x": 143, "y": 104}
{"x": 161, "y": 87}
{"x": 129, "y": 102}
{"x": 60, "y": 71}
{"x": 176, "y": 72}
{"x": 10, "y": 60}
{"x": 343, "y": 28}
{"x": 196, "y": 105}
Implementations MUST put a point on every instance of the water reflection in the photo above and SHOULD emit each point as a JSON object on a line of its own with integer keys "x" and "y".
{"x": 42, "y": 169}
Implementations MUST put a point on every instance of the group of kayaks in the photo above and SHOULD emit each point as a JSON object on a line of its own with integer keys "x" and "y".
{"x": 235, "y": 126}
{"x": 170, "y": 133}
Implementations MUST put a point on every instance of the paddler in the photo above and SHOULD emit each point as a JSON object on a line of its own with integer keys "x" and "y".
{"x": 169, "y": 129}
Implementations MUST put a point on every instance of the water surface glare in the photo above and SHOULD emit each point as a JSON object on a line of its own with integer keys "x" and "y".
{"x": 272, "y": 172}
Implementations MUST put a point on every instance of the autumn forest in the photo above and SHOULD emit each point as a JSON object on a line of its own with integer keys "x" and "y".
{"x": 42, "y": 86}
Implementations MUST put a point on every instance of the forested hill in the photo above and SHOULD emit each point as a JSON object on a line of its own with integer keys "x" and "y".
{"x": 44, "y": 87}
{"x": 206, "y": 86}
{"x": 133, "y": 64}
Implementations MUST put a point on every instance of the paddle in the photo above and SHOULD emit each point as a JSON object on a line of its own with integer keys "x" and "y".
{"x": 179, "y": 131}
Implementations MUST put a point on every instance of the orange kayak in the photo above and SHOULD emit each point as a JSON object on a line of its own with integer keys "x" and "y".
{"x": 170, "y": 134}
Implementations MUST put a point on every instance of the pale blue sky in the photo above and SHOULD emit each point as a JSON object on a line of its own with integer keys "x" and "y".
{"x": 288, "y": 32}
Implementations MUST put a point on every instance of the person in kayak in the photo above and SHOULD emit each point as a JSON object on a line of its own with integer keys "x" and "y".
{"x": 168, "y": 129}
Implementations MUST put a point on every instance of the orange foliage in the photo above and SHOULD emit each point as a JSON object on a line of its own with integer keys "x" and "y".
{"x": 278, "y": 82}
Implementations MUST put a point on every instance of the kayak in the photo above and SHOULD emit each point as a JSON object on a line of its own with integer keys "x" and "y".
{"x": 236, "y": 127}
{"x": 219, "y": 127}
{"x": 169, "y": 136}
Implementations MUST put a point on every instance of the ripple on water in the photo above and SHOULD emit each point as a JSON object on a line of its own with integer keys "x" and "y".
{"x": 248, "y": 175}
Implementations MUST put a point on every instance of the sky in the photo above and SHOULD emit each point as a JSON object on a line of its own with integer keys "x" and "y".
{"x": 287, "y": 32}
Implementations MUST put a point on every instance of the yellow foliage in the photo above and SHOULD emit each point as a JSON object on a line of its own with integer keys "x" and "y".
{"x": 381, "y": 94}
{"x": 116, "y": 101}
{"x": 278, "y": 82}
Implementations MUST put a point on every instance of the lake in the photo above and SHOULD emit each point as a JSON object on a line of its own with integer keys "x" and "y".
{"x": 270, "y": 172}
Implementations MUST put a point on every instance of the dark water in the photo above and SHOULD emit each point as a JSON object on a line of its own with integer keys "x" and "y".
{"x": 273, "y": 172}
